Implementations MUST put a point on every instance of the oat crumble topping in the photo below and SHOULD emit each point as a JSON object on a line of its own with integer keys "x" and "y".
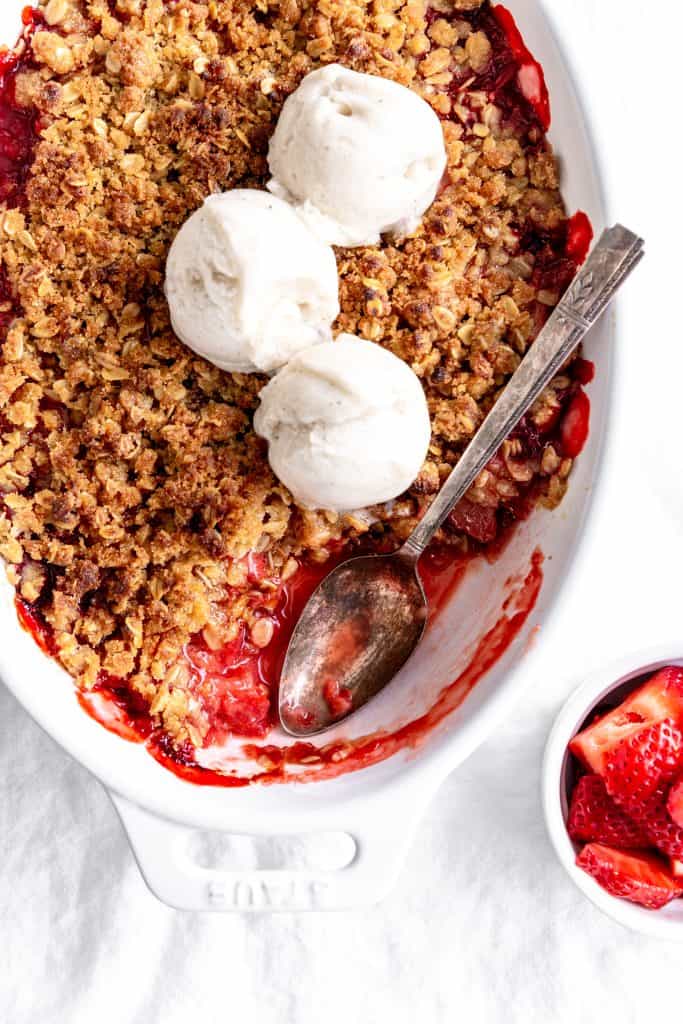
{"x": 135, "y": 497}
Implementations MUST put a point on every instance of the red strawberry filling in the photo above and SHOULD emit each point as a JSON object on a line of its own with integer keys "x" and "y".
{"x": 633, "y": 798}
{"x": 18, "y": 127}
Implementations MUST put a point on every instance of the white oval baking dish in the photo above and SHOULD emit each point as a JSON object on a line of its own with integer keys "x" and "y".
{"x": 380, "y": 806}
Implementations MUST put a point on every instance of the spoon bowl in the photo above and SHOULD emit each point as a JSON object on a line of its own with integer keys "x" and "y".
{"x": 358, "y": 629}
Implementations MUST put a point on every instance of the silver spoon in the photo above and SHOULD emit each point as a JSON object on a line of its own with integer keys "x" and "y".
{"x": 365, "y": 619}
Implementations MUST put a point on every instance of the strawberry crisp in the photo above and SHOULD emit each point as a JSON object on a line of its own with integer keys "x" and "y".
{"x": 151, "y": 548}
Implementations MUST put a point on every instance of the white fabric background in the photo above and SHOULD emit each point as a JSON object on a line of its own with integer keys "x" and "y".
{"x": 484, "y": 926}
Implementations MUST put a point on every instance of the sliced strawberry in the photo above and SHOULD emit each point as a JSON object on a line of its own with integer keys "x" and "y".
{"x": 642, "y": 765}
{"x": 674, "y": 802}
{"x": 594, "y": 745}
{"x": 638, "y": 776}
{"x": 659, "y": 698}
{"x": 640, "y": 877}
{"x": 664, "y": 833}
{"x": 575, "y": 425}
{"x": 594, "y": 817}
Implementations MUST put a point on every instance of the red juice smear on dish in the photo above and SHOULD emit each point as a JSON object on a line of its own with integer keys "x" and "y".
{"x": 441, "y": 572}
{"x": 110, "y": 702}
{"x": 33, "y": 622}
{"x": 116, "y": 708}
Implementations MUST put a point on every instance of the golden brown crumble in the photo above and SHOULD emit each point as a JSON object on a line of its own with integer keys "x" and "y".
{"x": 133, "y": 483}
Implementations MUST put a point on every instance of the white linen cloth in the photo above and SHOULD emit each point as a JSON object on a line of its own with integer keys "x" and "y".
{"x": 484, "y": 927}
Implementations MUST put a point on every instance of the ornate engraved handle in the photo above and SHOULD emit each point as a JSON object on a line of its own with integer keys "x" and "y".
{"x": 609, "y": 264}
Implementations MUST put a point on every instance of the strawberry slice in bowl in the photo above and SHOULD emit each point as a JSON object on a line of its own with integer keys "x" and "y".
{"x": 642, "y": 878}
{"x": 674, "y": 804}
{"x": 639, "y": 771}
{"x": 639, "y": 776}
{"x": 595, "y": 817}
{"x": 660, "y": 697}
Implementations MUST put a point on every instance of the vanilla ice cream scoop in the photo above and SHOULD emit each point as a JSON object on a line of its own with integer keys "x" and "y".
{"x": 358, "y": 155}
{"x": 346, "y": 423}
{"x": 248, "y": 284}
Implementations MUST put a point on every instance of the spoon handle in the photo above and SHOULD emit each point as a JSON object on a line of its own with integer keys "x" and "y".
{"x": 609, "y": 264}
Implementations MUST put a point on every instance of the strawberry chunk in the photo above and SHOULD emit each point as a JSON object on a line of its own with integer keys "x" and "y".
{"x": 655, "y": 820}
{"x": 659, "y": 698}
{"x": 674, "y": 802}
{"x": 639, "y": 877}
{"x": 638, "y": 776}
{"x": 575, "y": 425}
{"x": 642, "y": 765}
{"x": 478, "y": 521}
{"x": 664, "y": 833}
{"x": 594, "y": 817}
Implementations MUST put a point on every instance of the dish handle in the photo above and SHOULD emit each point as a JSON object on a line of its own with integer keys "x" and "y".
{"x": 382, "y": 835}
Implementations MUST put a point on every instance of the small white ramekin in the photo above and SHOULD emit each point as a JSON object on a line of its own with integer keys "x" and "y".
{"x": 621, "y": 675}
